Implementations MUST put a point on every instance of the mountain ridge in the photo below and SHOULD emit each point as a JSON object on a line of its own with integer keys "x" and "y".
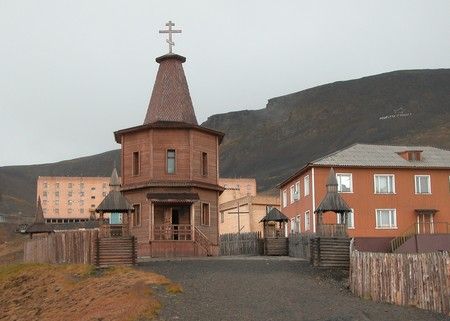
{"x": 408, "y": 107}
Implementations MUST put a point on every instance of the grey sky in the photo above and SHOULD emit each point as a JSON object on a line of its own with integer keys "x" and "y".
{"x": 72, "y": 72}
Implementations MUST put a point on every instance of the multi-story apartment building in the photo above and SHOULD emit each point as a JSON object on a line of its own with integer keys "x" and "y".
{"x": 391, "y": 190}
{"x": 70, "y": 199}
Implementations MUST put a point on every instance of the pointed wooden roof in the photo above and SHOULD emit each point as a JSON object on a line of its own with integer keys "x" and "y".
{"x": 39, "y": 225}
{"x": 333, "y": 201}
{"x": 275, "y": 215}
{"x": 114, "y": 201}
{"x": 170, "y": 100}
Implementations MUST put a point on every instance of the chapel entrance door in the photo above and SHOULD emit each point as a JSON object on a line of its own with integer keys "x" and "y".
{"x": 175, "y": 222}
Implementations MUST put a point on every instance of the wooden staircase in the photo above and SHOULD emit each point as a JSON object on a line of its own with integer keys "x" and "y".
{"x": 420, "y": 228}
{"x": 202, "y": 241}
{"x": 116, "y": 251}
{"x": 330, "y": 252}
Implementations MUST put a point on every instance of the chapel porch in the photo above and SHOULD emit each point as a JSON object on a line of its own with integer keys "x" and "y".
{"x": 174, "y": 226}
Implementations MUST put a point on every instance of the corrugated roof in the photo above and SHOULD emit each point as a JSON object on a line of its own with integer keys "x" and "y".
{"x": 366, "y": 155}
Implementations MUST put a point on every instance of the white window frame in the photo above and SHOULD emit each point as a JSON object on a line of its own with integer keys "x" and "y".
{"x": 299, "y": 221}
{"x": 285, "y": 200}
{"x": 292, "y": 225}
{"x": 392, "y": 222}
{"x": 375, "y": 176}
{"x": 416, "y": 186}
{"x": 351, "y": 181}
{"x": 297, "y": 191}
{"x": 291, "y": 194}
{"x": 350, "y": 214}
{"x": 306, "y": 183}
{"x": 307, "y": 221}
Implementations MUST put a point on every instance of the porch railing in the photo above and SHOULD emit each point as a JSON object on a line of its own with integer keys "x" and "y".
{"x": 113, "y": 230}
{"x": 173, "y": 232}
{"x": 331, "y": 230}
{"x": 420, "y": 228}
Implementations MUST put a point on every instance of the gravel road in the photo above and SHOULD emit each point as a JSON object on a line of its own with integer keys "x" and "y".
{"x": 263, "y": 289}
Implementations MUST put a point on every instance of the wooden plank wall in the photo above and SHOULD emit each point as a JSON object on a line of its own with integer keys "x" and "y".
{"x": 240, "y": 244}
{"x": 421, "y": 280}
{"x": 299, "y": 245}
{"x": 62, "y": 247}
{"x": 333, "y": 252}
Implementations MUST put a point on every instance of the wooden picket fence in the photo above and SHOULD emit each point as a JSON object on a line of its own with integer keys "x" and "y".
{"x": 241, "y": 243}
{"x": 299, "y": 245}
{"x": 421, "y": 280}
{"x": 62, "y": 247}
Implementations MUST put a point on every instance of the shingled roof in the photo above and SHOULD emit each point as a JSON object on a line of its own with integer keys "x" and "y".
{"x": 275, "y": 215}
{"x": 378, "y": 156}
{"x": 365, "y": 155}
{"x": 39, "y": 225}
{"x": 170, "y": 100}
{"x": 114, "y": 201}
{"x": 332, "y": 202}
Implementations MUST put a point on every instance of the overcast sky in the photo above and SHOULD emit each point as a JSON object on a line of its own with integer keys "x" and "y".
{"x": 72, "y": 72}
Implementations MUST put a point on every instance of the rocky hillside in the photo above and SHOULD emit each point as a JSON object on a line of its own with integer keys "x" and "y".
{"x": 402, "y": 107}
{"x": 18, "y": 183}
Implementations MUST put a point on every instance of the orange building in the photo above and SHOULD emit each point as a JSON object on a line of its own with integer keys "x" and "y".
{"x": 392, "y": 190}
{"x": 70, "y": 199}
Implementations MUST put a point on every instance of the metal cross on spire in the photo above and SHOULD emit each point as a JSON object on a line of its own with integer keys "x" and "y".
{"x": 170, "y": 31}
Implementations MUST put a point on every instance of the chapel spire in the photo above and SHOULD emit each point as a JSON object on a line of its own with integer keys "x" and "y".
{"x": 170, "y": 99}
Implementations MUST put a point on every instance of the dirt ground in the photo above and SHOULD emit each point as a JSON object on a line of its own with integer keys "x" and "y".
{"x": 268, "y": 289}
{"x": 11, "y": 244}
{"x": 79, "y": 292}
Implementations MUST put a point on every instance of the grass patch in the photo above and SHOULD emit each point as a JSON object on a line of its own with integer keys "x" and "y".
{"x": 174, "y": 288}
{"x": 78, "y": 292}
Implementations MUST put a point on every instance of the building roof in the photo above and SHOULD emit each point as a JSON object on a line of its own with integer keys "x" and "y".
{"x": 181, "y": 184}
{"x": 173, "y": 197}
{"x": 332, "y": 202}
{"x": 365, "y": 155}
{"x": 39, "y": 225}
{"x": 379, "y": 156}
{"x": 114, "y": 201}
{"x": 275, "y": 215}
{"x": 249, "y": 199}
{"x": 91, "y": 224}
{"x": 167, "y": 125}
{"x": 170, "y": 100}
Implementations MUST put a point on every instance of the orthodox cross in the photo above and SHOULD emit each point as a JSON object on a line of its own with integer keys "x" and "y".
{"x": 170, "y": 31}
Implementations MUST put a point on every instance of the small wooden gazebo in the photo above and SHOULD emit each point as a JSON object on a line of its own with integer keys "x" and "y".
{"x": 332, "y": 202}
{"x": 39, "y": 226}
{"x": 114, "y": 203}
{"x": 275, "y": 240}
